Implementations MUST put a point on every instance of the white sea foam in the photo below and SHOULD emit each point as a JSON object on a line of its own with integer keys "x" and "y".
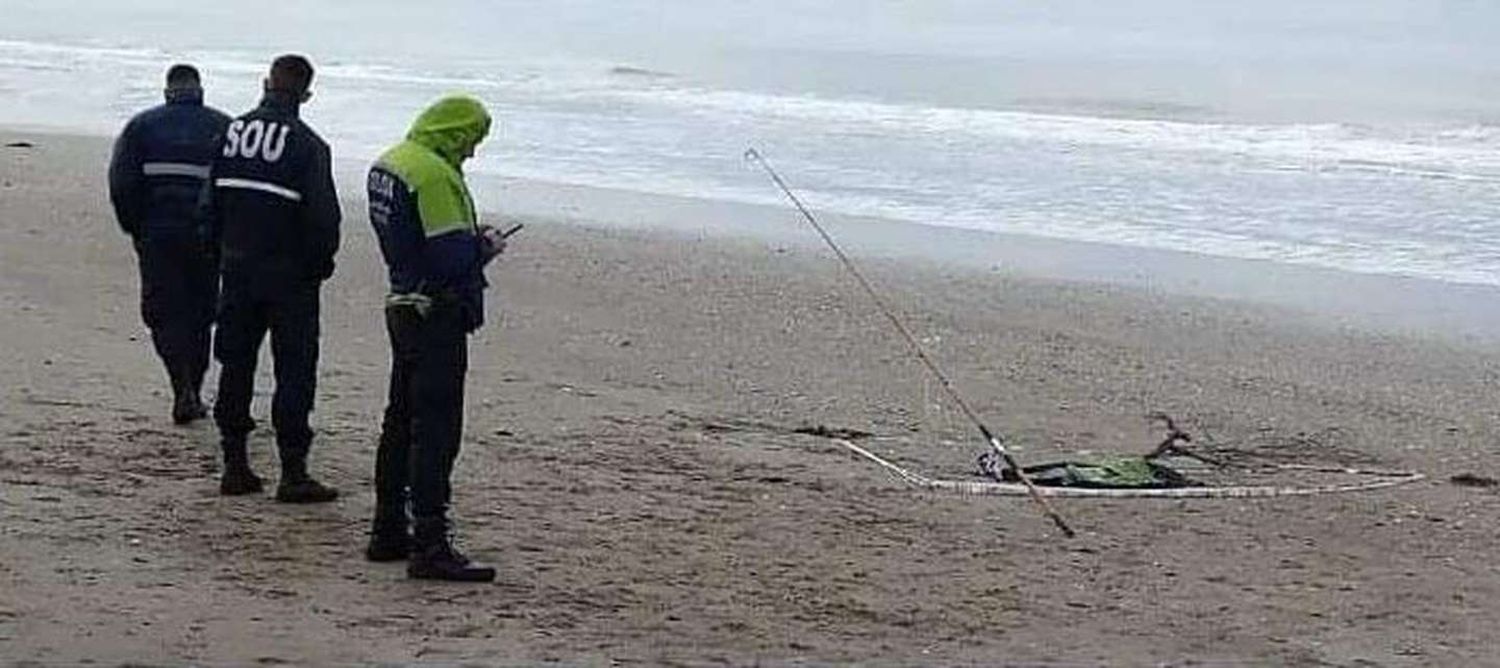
{"x": 1414, "y": 197}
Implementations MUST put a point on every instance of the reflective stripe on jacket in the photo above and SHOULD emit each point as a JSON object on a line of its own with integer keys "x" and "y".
{"x": 160, "y": 166}
{"x": 275, "y": 209}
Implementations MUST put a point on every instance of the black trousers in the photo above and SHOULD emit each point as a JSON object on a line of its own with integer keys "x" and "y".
{"x": 424, "y": 415}
{"x": 291, "y": 317}
{"x": 179, "y": 291}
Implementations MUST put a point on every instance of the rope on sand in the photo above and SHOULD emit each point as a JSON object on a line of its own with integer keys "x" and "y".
{"x": 1384, "y": 479}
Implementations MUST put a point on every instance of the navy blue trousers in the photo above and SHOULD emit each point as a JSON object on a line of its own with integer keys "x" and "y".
{"x": 424, "y": 414}
{"x": 179, "y": 289}
{"x": 291, "y": 318}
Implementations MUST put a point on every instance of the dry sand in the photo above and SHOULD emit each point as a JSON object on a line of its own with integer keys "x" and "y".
{"x": 629, "y": 466}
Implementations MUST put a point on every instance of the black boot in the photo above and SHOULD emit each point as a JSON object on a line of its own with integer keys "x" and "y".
{"x": 299, "y": 487}
{"x": 186, "y": 406}
{"x": 435, "y": 558}
{"x": 238, "y": 479}
{"x": 390, "y": 538}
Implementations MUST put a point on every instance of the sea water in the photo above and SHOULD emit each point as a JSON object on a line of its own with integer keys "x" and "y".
{"x": 1361, "y": 135}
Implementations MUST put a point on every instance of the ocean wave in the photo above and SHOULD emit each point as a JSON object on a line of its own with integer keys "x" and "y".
{"x": 1357, "y": 197}
{"x": 395, "y": 75}
{"x": 1396, "y": 169}
{"x": 1460, "y": 152}
{"x": 80, "y": 51}
{"x": 1453, "y": 261}
{"x": 63, "y": 57}
{"x": 1464, "y": 152}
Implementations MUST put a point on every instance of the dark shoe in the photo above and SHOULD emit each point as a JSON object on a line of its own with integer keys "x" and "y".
{"x": 388, "y": 547}
{"x": 442, "y": 562}
{"x": 187, "y": 408}
{"x": 305, "y": 490}
{"x": 238, "y": 481}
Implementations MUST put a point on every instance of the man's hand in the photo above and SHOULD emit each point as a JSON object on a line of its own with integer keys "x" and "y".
{"x": 491, "y": 242}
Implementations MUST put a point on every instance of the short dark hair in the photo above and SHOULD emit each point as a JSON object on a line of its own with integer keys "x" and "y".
{"x": 291, "y": 73}
{"x": 182, "y": 75}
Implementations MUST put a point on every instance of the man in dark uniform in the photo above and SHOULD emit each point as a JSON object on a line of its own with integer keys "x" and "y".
{"x": 276, "y": 219}
{"x": 156, "y": 177}
{"x": 436, "y": 252}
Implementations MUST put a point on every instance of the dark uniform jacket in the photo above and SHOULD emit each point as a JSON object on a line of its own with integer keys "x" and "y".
{"x": 275, "y": 211}
{"x": 161, "y": 164}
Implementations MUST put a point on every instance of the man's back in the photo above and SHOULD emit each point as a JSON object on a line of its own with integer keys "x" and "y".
{"x": 277, "y": 214}
{"x": 161, "y": 160}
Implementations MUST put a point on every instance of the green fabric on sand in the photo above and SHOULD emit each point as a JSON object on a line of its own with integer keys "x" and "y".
{"x": 1104, "y": 471}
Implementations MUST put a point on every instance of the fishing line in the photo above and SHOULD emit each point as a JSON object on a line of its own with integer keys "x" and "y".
{"x": 916, "y": 348}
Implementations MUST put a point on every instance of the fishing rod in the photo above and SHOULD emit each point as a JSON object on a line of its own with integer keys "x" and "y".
{"x": 911, "y": 341}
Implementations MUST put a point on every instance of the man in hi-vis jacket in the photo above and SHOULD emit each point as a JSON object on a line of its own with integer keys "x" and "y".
{"x": 276, "y": 219}
{"x": 435, "y": 251}
{"x": 156, "y": 178}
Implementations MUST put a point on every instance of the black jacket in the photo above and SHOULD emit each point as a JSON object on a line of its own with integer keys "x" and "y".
{"x": 160, "y": 166}
{"x": 275, "y": 213}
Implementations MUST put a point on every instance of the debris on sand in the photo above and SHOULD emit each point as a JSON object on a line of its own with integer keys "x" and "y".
{"x": 1471, "y": 480}
{"x": 823, "y": 431}
{"x": 740, "y": 426}
{"x": 20, "y": 144}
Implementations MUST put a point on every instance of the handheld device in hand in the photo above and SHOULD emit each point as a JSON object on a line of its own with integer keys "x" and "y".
{"x": 494, "y": 240}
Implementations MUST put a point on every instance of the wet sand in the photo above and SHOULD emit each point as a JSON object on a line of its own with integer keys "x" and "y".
{"x": 632, "y": 469}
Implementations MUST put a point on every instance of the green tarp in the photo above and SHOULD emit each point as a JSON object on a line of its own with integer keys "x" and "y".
{"x": 1103, "y": 471}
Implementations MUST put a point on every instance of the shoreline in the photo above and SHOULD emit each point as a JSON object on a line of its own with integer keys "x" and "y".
{"x": 1458, "y": 313}
{"x": 1385, "y": 303}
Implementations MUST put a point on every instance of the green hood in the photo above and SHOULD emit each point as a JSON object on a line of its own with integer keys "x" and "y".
{"x": 452, "y": 127}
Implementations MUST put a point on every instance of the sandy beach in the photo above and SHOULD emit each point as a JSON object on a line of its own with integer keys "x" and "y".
{"x": 632, "y": 467}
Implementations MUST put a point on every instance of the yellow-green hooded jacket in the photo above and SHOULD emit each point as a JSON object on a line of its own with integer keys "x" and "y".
{"x": 422, "y": 211}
